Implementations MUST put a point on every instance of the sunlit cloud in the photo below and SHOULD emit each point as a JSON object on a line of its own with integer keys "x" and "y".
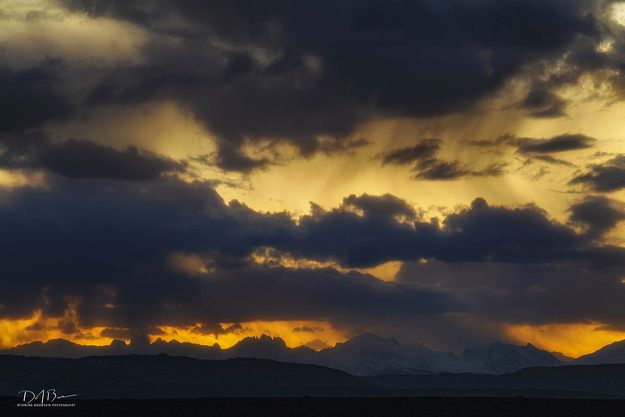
{"x": 618, "y": 13}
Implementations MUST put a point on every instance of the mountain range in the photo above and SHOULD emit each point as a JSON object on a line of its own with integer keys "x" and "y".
{"x": 366, "y": 354}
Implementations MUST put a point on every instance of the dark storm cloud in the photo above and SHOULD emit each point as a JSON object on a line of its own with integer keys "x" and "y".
{"x": 298, "y": 72}
{"x": 598, "y": 214}
{"x": 258, "y": 293}
{"x": 533, "y": 149}
{"x": 82, "y": 159}
{"x": 450, "y": 170}
{"x": 560, "y": 143}
{"x": 32, "y": 96}
{"x": 119, "y": 224}
{"x": 105, "y": 227}
{"x": 426, "y": 149}
{"x": 306, "y": 294}
{"x": 555, "y": 144}
{"x": 543, "y": 103}
{"x": 307, "y": 329}
{"x": 216, "y": 328}
{"x": 126, "y": 333}
{"x": 103, "y": 247}
{"x": 522, "y": 294}
{"x": 382, "y": 207}
{"x": 427, "y": 166}
{"x": 606, "y": 177}
{"x": 97, "y": 243}
{"x": 548, "y": 159}
{"x": 108, "y": 241}
{"x": 232, "y": 158}
{"x": 479, "y": 233}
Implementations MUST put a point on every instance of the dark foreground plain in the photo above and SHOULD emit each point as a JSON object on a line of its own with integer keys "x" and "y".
{"x": 163, "y": 376}
{"x": 332, "y": 407}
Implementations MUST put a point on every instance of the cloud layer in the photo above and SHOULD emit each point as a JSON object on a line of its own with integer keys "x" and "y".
{"x": 102, "y": 248}
{"x": 252, "y": 73}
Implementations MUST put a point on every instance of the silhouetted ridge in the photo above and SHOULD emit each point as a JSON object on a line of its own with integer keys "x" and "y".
{"x": 612, "y": 353}
{"x": 366, "y": 354}
{"x": 164, "y": 376}
{"x": 167, "y": 376}
{"x": 586, "y": 380}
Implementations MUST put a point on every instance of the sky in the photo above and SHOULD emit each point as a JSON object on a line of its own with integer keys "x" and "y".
{"x": 448, "y": 173}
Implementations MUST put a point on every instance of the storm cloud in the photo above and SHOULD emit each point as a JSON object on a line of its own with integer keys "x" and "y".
{"x": 521, "y": 294}
{"x": 542, "y": 103}
{"x": 606, "y": 177}
{"x": 427, "y": 165}
{"x": 540, "y": 147}
{"x": 32, "y": 95}
{"x": 481, "y": 233}
{"x": 96, "y": 244}
{"x": 561, "y": 143}
{"x": 304, "y": 73}
{"x": 76, "y": 158}
{"x": 598, "y": 214}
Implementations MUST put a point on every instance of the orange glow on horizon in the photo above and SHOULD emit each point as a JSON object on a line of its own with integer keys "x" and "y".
{"x": 573, "y": 340}
{"x": 36, "y": 328}
{"x": 314, "y": 334}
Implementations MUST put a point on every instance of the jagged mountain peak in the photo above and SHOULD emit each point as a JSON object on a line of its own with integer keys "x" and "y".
{"x": 116, "y": 343}
{"x": 369, "y": 340}
{"x": 499, "y": 357}
{"x": 262, "y": 340}
{"x": 52, "y": 343}
{"x": 502, "y": 346}
{"x": 60, "y": 342}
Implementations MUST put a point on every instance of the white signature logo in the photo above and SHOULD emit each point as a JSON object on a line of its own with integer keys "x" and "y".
{"x": 43, "y": 398}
